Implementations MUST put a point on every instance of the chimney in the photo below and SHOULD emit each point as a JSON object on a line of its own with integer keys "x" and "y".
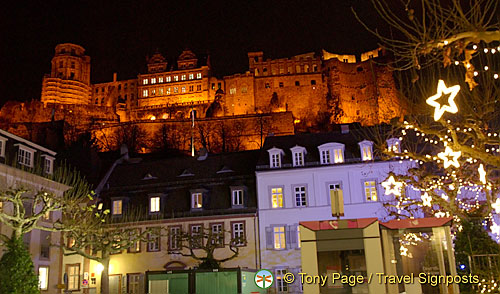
{"x": 344, "y": 129}
{"x": 203, "y": 154}
{"x": 124, "y": 151}
{"x": 114, "y": 77}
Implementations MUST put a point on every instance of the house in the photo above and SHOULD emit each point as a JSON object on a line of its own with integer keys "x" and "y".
{"x": 173, "y": 195}
{"x": 29, "y": 165}
{"x": 308, "y": 177}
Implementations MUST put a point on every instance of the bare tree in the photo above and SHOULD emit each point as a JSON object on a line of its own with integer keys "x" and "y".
{"x": 202, "y": 245}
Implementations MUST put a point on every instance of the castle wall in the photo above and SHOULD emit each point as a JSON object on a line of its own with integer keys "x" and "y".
{"x": 239, "y": 94}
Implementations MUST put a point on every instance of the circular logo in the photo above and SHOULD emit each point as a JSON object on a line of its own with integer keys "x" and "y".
{"x": 264, "y": 279}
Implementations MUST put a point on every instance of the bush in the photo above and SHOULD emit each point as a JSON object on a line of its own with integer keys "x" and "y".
{"x": 17, "y": 274}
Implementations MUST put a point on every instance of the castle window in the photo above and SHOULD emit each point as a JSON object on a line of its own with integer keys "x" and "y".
{"x": 345, "y": 60}
{"x": 176, "y": 89}
{"x": 281, "y": 84}
{"x": 357, "y": 112}
{"x": 153, "y": 80}
{"x": 145, "y": 81}
{"x": 168, "y": 91}
{"x": 265, "y": 71}
{"x": 72, "y": 64}
{"x": 244, "y": 89}
{"x": 60, "y": 64}
{"x": 306, "y": 68}
{"x": 183, "y": 77}
{"x": 183, "y": 89}
{"x": 366, "y": 148}
{"x": 161, "y": 91}
{"x": 96, "y": 100}
{"x": 102, "y": 100}
{"x": 282, "y": 69}
{"x": 198, "y": 75}
{"x": 153, "y": 92}
{"x": 359, "y": 69}
{"x": 71, "y": 75}
{"x": 313, "y": 82}
{"x": 160, "y": 80}
{"x": 256, "y": 72}
{"x": 191, "y": 88}
{"x": 297, "y": 83}
{"x": 232, "y": 91}
{"x": 297, "y": 68}
{"x": 289, "y": 69}
{"x": 213, "y": 86}
{"x": 352, "y": 98}
{"x": 168, "y": 79}
{"x": 198, "y": 87}
{"x": 145, "y": 93}
{"x": 268, "y": 86}
{"x": 102, "y": 90}
{"x": 176, "y": 78}
{"x": 191, "y": 76}
{"x": 315, "y": 67}
{"x": 96, "y": 90}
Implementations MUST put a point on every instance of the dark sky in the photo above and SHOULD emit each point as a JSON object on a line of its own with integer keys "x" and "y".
{"x": 118, "y": 35}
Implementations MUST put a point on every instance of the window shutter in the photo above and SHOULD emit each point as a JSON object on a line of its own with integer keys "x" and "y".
{"x": 269, "y": 238}
{"x": 293, "y": 236}
{"x": 288, "y": 238}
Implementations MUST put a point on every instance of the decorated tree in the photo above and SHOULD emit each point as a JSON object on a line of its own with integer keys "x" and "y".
{"x": 446, "y": 55}
{"x": 203, "y": 245}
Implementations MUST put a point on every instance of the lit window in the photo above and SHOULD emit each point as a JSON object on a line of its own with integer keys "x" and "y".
{"x": 338, "y": 155}
{"x": 43, "y": 277}
{"x": 191, "y": 76}
{"x": 153, "y": 80}
{"x": 244, "y": 90}
{"x": 176, "y": 89}
{"x": 136, "y": 246}
{"x": 161, "y": 91}
{"x": 153, "y": 92}
{"x": 300, "y": 196}
{"x": 117, "y": 207}
{"x": 168, "y": 91}
{"x": 197, "y": 200}
{"x": 45, "y": 244}
{"x": 154, "y": 240}
{"x": 144, "y": 93}
{"x": 238, "y": 234}
{"x": 173, "y": 238}
{"x": 198, "y": 75}
{"x": 160, "y": 80}
{"x": 280, "y": 283}
{"x": 154, "y": 204}
{"x": 168, "y": 79}
{"x": 176, "y": 78}
{"x": 366, "y": 148}
{"x": 370, "y": 191}
{"x": 183, "y": 77}
{"x": 237, "y": 197}
{"x": 25, "y": 155}
{"x": 145, "y": 81}
{"x": 325, "y": 156}
{"x": 232, "y": 91}
{"x": 73, "y": 273}
{"x": 134, "y": 283}
{"x": 394, "y": 145}
{"x": 336, "y": 199}
{"x": 183, "y": 89}
{"x": 279, "y": 237}
{"x": 277, "y": 197}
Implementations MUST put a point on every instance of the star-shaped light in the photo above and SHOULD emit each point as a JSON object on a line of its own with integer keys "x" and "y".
{"x": 392, "y": 187}
{"x": 495, "y": 229}
{"x": 403, "y": 251}
{"x": 440, "y": 214}
{"x": 496, "y": 205}
{"x": 482, "y": 173}
{"x": 445, "y": 156}
{"x": 442, "y": 89}
{"x": 426, "y": 199}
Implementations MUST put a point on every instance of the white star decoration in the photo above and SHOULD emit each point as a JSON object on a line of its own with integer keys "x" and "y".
{"x": 392, "y": 187}
{"x": 495, "y": 229}
{"x": 496, "y": 205}
{"x": 445, "y": 156}
{"x": 482, "y": 173}
{"x": 426, "y": 199}
{"x": 442, "y": 89}
{"x": 440, "y": 214}
{"x": 403, "y": 251}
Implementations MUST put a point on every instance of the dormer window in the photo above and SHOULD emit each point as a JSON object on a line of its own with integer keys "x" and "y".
{"x": 154, "y": 204}
{"x": 25, "y": 155}
{"x": 48, "y": 164}
{"x": 117, "y": 207}
{"x": 275, "y": 157}
{"x": 331, "y": 153}
{"x": 298, "y": 155}
{"x": 366, "y": 149}
{"x": 196, "y": 200}
{"x": 394, "y": 145}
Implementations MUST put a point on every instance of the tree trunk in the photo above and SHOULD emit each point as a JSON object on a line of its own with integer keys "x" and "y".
{"x": 105, "y": 275}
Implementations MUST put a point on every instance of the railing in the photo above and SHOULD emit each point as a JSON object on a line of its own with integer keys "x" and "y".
{"x": 174, "y": 104}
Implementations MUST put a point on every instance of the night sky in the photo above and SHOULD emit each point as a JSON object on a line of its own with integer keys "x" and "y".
{"x": 119, "y": 35}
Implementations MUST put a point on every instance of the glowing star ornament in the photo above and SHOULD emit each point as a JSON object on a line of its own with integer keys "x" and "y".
{"x": 495, "y": 229}
{"x": 426, "y": 199}
{"x": 496, "y": 205}
{"x": 445, "y": 156}
{"x": 441, "y": 109}
{"x": 392, "y": 187}
{"x": 482, "y": 173}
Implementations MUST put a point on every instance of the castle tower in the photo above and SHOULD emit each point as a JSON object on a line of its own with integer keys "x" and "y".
{"x": 187, "y": 60}
{"x": 69, "y": 79}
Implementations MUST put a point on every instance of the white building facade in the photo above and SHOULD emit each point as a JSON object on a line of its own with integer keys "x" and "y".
{"x": 308, "y": 177}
